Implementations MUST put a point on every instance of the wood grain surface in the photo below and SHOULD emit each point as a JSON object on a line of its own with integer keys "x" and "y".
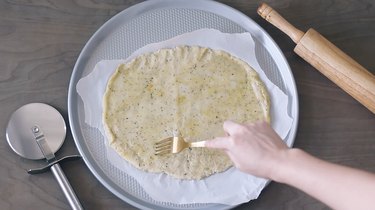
{"x": 40, "y": 41}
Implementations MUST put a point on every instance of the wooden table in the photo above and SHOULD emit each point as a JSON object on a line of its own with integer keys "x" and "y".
{"x": 41, "y": 40}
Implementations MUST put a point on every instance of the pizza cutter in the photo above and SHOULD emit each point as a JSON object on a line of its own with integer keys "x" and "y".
{"x": 36, "y": 131}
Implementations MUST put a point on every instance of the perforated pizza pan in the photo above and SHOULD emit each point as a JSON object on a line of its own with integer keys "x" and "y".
{"x": 154, "y": 21}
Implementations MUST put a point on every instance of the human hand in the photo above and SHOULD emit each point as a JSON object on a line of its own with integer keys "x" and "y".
{"x": 254, "y": 148}
{"x": 257, "y": 149}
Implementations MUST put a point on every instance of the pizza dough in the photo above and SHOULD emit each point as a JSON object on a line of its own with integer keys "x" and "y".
{"x": 187, "y": 91}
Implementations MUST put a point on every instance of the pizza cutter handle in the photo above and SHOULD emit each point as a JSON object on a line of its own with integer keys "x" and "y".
{"x": 66, "y": 187}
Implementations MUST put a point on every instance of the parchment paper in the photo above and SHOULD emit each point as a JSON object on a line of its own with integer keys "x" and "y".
{"x": 231, "y": 187}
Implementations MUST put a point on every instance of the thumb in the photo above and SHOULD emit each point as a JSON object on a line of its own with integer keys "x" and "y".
{"x": 218, "y": 143}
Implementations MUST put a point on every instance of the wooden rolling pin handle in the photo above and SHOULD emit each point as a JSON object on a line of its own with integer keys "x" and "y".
{"x": 275, "y": 19}
{"x": 328, "y": 59}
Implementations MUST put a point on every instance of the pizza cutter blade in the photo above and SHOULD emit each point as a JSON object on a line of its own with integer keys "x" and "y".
{"x": 36, "y": 131}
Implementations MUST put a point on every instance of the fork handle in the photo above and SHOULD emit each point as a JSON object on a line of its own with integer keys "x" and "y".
{"x": 198, "y": 144}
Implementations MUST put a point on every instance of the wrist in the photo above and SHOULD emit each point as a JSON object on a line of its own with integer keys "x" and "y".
{"x": 286, "y": 165}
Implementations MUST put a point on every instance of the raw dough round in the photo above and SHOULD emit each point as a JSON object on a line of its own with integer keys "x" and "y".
{"x": 187, "y": 91}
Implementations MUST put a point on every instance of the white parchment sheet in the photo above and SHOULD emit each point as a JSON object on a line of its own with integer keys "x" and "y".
{"x": 231, "y": 187}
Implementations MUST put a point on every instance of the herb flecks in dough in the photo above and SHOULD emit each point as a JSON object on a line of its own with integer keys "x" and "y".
{"x": 185, "y": 90}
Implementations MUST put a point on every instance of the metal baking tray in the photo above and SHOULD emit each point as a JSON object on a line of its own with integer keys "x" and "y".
{"x": 154, "y": 21}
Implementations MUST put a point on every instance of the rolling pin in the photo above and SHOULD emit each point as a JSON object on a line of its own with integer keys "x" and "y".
{"x": 327, "y": 58}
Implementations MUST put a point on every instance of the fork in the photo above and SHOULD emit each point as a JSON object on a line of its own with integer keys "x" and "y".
{"x": 175, "y": 145}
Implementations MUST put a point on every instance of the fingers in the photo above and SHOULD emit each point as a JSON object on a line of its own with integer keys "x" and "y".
{"x": 231, "y": 127}
{"x": 218, "y": 143}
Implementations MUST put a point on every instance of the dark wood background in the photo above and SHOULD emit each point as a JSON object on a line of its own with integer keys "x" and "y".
{"x": 40, "y": 41}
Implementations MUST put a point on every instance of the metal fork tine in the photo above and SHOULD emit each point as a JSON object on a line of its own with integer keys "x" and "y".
{"x": 164, "y": 147}
{"x": 174, "y": 145}
{"x": 163, "y": 150}
{"x": 168, "y": 143}
{"x": 165, "y": 140}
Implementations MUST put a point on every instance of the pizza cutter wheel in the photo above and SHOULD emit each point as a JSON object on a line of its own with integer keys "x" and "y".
{"x": 36, "y": 131}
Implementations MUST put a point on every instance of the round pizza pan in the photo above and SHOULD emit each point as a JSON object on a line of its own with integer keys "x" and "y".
{"x": 155, "y": 21}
